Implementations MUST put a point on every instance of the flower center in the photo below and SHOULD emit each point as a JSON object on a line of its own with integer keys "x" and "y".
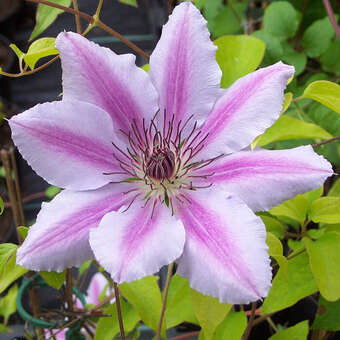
{"x": 161, "y": 164}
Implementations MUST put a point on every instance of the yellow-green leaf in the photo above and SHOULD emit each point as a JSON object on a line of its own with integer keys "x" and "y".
{"x": 324, "y": 257}
{"x": 54, "y": 279}
{"x": 209, "y": 312}
{"x": 324, "y": 92}
{"x": 297, "y": 332}
{"x": 39, "y": 49}
{"x": 237, "y": 56}
{"x": 287, "y": 101}
{"x": 2, "y": 206}
{"x": 291, "y": 128}
{"x": 276, "y": 251}
{"x": 326, "y": 210}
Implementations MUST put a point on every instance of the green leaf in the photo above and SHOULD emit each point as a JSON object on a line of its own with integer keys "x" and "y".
{"x": 179, "y": 306}
{"x": 2, "y": 206}
{"x": 276, "y": 251}
{"x": 84, "y": 267}
{"x": 330, "y": 60}
{"x": 53, "y": 279}
{"x": 209, "y": 312}
{"x": 273, "y": 226}
{"x": 129, "y": 2}
{"x": 335, "y": 189}
{"x": 20, "y": 54}
{"x": 287, "y": 101}
{"x": 39, "y": 49}
{"x": 296, "y": 209}
{"x": 23, "y": 232}
{"x": 326, "y": 210}
{"x": 296, "y": 58}
{"x": 290, "y": 287}
{"x": 324, "y": 92}
{"x": 9, "y": 270}
{"x": 231, "y": 328}
{"x": 237, "y": 56}
{"x": 328, "y": 315}
{"x": 146, "y": 67}
{"x": 317, "y": 37}
{"x": 146, "y": 297}
{"x": 274, "y": 49}
{"x": 297, "y": 332}
{"x": 286, "y": 128}
{"x": 229, "y": 20}
{"x": 281, "y": 20}
{"x": 108, "y": 327}
{"x": 8, "y": 304}
{"x": 46, "y": 15}
{"x": 324, "y": 257}
{"x": 52, "y": 191}
{"x": 6, "y": 250}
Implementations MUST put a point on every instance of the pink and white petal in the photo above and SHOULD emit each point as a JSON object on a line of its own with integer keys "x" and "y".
{"x": 97, "y": 285}
{"x": 138, "y": 242}
{"x": 60, "y": 237}
{"x": 246, "y": 110}
{"x": 225, "y": 253}
{"x": 265, "y": 178}
{"x": 99, "y": 76}
{"x": 67, "y": 143}
{"x": 183, "y": 66}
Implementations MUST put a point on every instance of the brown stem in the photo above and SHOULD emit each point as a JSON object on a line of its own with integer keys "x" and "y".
{"x": 69, "y": 293}
{"x": 119, "y": 312}
{"x": 17, "y": 75}
{"x": 35, "y": 306}
{"x": 94, "y": 21}
{"x": 332, "y": 17}
{"x": 28, "y": 198}
{"x": 250, "y": 322}
{"x": 326, "y": 141}
{"x": 78, "y": 24}
{"x": 186, "y": 336}
{"x": 165, "y": 296}
{"x": 261, "y": 319}
{"x": 103, "y": 302}
{"x": 17, "y": 185}
{"x": 11, "y": 190}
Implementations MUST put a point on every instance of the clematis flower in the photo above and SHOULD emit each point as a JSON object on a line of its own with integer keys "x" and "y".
{"x": 152, "y": 164}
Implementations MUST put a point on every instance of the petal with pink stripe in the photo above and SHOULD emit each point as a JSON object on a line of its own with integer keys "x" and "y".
{"x": 66, "y": 143}
{"x": 265, "y": 178}
{"x": 246, "y": 110}
{"x": 225, "y": 253}
{"x": 137, "y": 242}
{"x": 60, "y": 237}
{"x": 183, "y": 66}
{"x": 113, "y": 82}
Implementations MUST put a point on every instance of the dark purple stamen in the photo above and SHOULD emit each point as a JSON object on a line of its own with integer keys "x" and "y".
{"x": 161, "y": 164}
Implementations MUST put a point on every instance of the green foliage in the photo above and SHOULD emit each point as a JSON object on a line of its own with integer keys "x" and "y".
{"x": 46, "y": 15}
{"x": 179, "y": 305}
{"x": 9, "y": 270}
{"x": 328, "y": 315}
{"x": 209, "y": 312}
{"x": 286, "y": 128}
{"x": 297, "y": 332}
{"x": 108, "y": 327}
{"x": 324, "y": 257}
{"x": 276, "y": 251}
{"x": 281, "y": 20}
{"x": 238, "y": 56}
{"x": 317, "y": 37}
{"x": 2, "y": 206}
{"x": 23, "y": 232}
{"x": 8, "y": 303}
{"x": 330, "y": 60}
{"x": 325, "y": 92}
{"x": 52, "y": 191}
{"x": 273, "y": 226}
{"x": 54, "y": 279}
{"x": 291, "y": 286}
{"x": 326, "y": 210}
{"x": 146, "y": 298}
{"x": 129, "y": 2}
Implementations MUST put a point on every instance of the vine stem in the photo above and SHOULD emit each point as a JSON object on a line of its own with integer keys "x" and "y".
{"x": 326, "y": 141}
{"x": 186, "y": 336}
{"x": 332, "y": 17}
{"x": 69, "y": 298}
{"x": 95, "y": 21}
{"x": 78, "y": 24}
{"x": 165, "y": 296}
{"x": 250, "y": 322}
{"x": 119, "y": 311}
